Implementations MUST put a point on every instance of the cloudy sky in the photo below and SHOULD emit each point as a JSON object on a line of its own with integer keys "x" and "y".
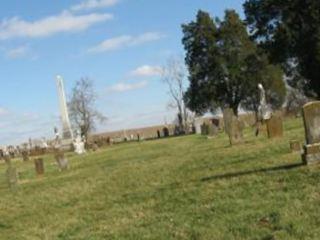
{"x": 120, "y": 44}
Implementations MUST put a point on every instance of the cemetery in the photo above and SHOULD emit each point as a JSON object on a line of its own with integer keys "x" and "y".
{"x": 169, "y": 189}
{"x": 222, "y": 142}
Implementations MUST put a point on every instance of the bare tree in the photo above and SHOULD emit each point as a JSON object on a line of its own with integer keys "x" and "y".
{"x": 174, "y": 74}
{"x": 83, "y": 113}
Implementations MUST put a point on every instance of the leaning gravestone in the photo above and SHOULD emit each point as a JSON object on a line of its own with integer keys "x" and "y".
{"x": 311, "y": 119}
{"x": 39, "y": 166}
{"x": 275, "y": 126}
{"x": 233, "y": 126}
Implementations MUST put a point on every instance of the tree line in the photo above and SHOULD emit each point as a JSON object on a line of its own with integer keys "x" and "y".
{"x": 277, "y": 44}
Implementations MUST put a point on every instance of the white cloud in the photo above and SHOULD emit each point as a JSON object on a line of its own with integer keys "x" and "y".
{"x": 93, "y": 4}
{"x": 64, "y": 22}
{"x": 126, "y": 41}
{"x": 125, "y": 87}
{"x": 18, "y": 52}
{"x": 146, "y": 71}
{"x": 3, "y": 111}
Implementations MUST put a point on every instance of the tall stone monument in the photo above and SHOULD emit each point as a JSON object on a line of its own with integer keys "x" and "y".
{"x": 273, "y": 120}
{"x": 311, "y": 119}
{"x": 66, "y": 136}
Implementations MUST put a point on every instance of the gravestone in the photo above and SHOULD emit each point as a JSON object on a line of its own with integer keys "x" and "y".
{"x": 12, "y": 176}
{"x": 25, "y": 155}
{"x": 79, "y": 144}
{"x": 38, "y": 162}
{"x": 212, "y": 130}
{"x": 311, "y": 119}
{"x": 62, "y": 162}
{"x": 165, "y": 132}
{"x": 95, "y": 147}
{"x": 295, "y": 146}
{"x": 275, "y": 126}
{"x": 233, "y": 127}
{"x": 227, "y": 118}
{"x": 204, "y": 129}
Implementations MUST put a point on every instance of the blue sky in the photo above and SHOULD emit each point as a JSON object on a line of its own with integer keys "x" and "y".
{"x": 120, "y": 44}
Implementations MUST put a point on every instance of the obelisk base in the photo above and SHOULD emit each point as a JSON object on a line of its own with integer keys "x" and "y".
{"x": 66, "y": 145}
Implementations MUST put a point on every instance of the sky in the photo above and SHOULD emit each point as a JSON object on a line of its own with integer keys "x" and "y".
{"x": 119, "y": 44}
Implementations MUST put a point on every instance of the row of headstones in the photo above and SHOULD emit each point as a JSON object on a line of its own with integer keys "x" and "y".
{"x": 12, "y": 173}
{"x": 234, "y": 127}
{"x": 311, "y": 119}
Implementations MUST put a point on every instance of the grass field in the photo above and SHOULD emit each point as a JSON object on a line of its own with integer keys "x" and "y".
{"x": 177, "y": 188}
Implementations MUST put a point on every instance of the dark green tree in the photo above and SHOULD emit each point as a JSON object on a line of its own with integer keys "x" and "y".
{"x": 225, "y": 65}
{"x": 290, "y": 31}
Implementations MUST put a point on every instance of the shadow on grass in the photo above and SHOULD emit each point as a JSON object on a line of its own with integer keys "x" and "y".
{"x": 261, "y": 170}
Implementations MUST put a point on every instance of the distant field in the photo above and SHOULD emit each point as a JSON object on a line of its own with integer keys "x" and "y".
{"x": 177, "y": 188}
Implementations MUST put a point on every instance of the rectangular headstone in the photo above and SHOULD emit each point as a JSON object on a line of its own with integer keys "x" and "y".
{"x": 12, "y": 176}
{"x": 233, "y": 126}
{"x": 275, "y": 126}
{"x": 295, "y": 146}
{"x": 62, "y": 162}
{"x": 227, "y": 118}
{"x": 213, "y": 130}
{"x": 204, "y": 129}
{"x": 39, "y": 166}
{"x": 311, "y": 119}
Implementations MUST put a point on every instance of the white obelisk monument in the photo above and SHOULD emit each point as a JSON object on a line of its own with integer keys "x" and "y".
{"x": 67, "y": 135}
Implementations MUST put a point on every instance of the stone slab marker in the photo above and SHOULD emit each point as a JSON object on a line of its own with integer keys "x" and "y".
{"x": 213, "y": 130}
{"x": 39, "y": 166}
{"x": 62, "y": 162}
{"x": 233, "y": 126}
{"x": 275, "y": 126}
{"x": 12, "y": 177}
{"x": 204, "y": 129}
{"x": 295, "y": 146}
{"x": 311, "y": 119}
{"x": 227, "y": 118}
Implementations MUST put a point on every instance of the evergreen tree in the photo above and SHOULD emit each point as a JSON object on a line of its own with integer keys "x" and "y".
{"x": 226, "y": 66}
{"x": 290, "y": 31}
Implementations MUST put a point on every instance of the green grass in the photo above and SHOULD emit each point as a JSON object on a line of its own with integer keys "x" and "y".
{"x": 177, "y": 188}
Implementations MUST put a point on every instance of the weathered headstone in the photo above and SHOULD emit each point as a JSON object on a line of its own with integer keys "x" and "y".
{"x": 62, "y": 162}
{"x": 38, "y": 162}
{"x": 12, "y": 176}
{"x": 295, "y": 146}
{"x": 212, "y": 130}
{"x": 11, "y": 173}
{"x": 25, "y": 155}
{"x": 275, "y": 126}
{"x": 311, "y": 119}
{"x": 79, "y": 144}
{"x": 233, "y": 127}
{"x": 204, "y": 129}
{"x": 165, "y": 132}
{"x": 227, "y": 118}
{"x": 95, "y": 147}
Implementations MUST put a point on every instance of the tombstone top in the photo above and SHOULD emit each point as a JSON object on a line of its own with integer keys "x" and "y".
{"x": 311, "y": 119}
